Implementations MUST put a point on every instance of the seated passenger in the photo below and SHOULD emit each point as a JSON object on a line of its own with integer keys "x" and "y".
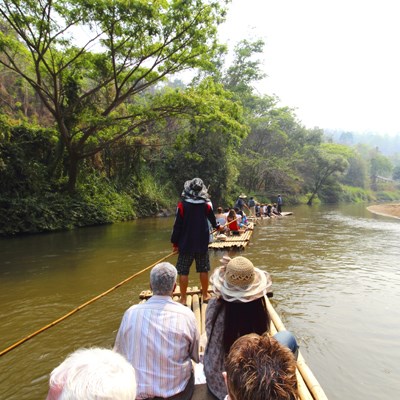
{"x": 258, "y": 368}
{"x": 239, "y": 213}
{"x": 243, "y": 223}
{"x": 220, "y": 217}
{"x": 238, "y": 309}
{"x": 265, "y": 210}
{"x": 93, "y": 374}
{"x": 274, "y": 210}
{"x": 232, "y": 222}
{"x": 160, "y": 339}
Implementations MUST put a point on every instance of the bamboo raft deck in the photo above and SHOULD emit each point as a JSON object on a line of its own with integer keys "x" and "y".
{"x": 234, "y": 241}
{"x": 309, "y": 387}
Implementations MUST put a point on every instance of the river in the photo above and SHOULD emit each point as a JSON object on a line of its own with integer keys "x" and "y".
{"x": 336, "y": 283}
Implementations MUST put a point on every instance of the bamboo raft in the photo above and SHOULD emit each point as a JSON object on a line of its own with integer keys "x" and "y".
{"x": 234, "y": 241}
{"x": 265, "y": 218}
{"x": 309, "y": 387}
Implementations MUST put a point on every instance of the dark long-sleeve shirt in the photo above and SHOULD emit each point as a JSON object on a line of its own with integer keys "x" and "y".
{"x": 191, "y": 230}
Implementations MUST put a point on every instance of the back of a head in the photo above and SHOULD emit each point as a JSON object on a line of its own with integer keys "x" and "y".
{"x": 93, "y": 374}
{"x": 163, "y": 278}
{"x": 258, "y": 368}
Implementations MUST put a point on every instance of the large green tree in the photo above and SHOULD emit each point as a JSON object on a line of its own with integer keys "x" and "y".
{"x": 206, "y": 144}
{"x": 322, "y": 163}
{"x": 92, "y": 62}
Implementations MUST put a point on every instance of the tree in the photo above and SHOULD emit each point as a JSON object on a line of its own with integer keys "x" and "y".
{"x": 321, "y": 163}
{"x": 206, "y": 145}
{"x": 92, "y": 63}
{"x": 396, "y": 173}
{"x": 244, "y": 69}
{"x": 357, "y": 172}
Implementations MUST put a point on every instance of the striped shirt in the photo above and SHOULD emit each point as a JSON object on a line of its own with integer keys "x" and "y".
{"x": 159, "y": 338}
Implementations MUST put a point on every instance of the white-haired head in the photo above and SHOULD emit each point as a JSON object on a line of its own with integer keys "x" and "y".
{"x": 93, "y": 374}
{"x": 163, "y": 278}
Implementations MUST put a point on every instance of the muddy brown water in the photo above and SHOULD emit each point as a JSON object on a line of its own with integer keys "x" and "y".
{"x": 336, "y": 282}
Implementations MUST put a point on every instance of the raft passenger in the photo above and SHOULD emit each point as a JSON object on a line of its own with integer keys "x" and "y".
{"x": 238, "y": 309}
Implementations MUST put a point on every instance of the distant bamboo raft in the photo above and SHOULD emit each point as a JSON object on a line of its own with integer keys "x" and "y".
{"x": 234, "y": 241}
{"x": 265, "y": 218}
{"x": 309, "y": 387}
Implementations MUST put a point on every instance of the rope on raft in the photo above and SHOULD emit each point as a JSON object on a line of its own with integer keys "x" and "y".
{"x": 57, "y": 321}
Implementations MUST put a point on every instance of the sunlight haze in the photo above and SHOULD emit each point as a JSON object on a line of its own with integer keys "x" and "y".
{"x": 336, "y": 63}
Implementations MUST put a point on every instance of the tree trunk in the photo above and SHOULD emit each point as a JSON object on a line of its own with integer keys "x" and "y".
{"x": 310, "y": 200}
{"x": 72, "y": 174}
{"x": 56, "y": 160}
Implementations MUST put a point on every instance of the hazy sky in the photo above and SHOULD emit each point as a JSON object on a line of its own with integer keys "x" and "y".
{"x": 336, "y": 62}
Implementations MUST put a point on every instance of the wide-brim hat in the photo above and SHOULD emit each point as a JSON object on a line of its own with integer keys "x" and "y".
{"x": 242, "y": 196}
{"x": 195, "y": 189}
{"x": 240, "y": 281}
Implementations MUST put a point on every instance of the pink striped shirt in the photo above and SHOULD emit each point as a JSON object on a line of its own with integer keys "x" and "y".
{"x": 159, "y": 338}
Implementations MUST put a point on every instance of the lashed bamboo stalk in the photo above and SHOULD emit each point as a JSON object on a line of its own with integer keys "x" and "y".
{"x": 310, "y": 380}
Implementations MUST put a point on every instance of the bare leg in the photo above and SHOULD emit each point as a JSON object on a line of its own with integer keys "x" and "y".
{"x": 204, "y": 286}
{"x": 183, "y": 283}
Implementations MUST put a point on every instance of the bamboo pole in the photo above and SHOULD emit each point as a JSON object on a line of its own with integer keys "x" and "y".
{"x": 311, "y": 381}
{"x": 203, "y": 317}
{"x": 304, "y": 393}
{"x": 57, "y": 321}
{"x": 196, "y": 310}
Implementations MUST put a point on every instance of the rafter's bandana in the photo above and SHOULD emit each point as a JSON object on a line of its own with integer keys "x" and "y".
{"x": 194, "y": 191}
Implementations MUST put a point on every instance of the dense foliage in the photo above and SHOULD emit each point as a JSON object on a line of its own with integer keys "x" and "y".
{"x": 95, "y": 129}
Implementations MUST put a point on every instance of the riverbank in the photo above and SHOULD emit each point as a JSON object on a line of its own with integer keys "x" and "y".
{"x": 388, "y": 210}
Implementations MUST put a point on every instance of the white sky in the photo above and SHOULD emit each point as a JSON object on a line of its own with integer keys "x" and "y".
{"x": 336, "y": 62}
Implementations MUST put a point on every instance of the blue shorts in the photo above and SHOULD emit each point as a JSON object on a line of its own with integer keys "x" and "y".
{"x": 185, "y": 261}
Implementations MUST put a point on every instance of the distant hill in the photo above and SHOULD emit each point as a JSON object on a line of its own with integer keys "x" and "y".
{"x": 387, "y": 145}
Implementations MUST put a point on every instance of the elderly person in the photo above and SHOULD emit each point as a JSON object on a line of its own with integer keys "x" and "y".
{"x": 258, "y": 368}
{"x": 94, "y": 373}
{"x": 191, "y": 234}
{"x": 238, "y": 309}
{"x": 160, "y": 339}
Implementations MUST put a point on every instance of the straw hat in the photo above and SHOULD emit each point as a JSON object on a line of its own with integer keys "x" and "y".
{"x": 242, "y": 196}
{"x": 240, "y": 281}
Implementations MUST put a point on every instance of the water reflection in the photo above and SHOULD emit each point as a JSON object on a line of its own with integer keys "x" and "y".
{"x": 335, "y": 276}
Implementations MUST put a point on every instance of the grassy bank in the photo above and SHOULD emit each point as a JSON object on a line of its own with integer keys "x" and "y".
{"x": 94, "y": 203}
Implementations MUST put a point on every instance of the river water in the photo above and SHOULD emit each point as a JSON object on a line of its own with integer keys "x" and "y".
{"x": 336, "y": 282}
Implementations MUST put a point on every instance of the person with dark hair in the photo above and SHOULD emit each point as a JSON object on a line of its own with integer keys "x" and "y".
{"x": 252, "y": 207}
{"x": 240, "y": 202}
{"x": 191, "y": 234}
{"x": 232, "y": 221}
{"x": 160, "y": 339}
{"x": 259, "y": 368}
{"x": 279, "y": 201}
{"x": 238, "y": 309}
